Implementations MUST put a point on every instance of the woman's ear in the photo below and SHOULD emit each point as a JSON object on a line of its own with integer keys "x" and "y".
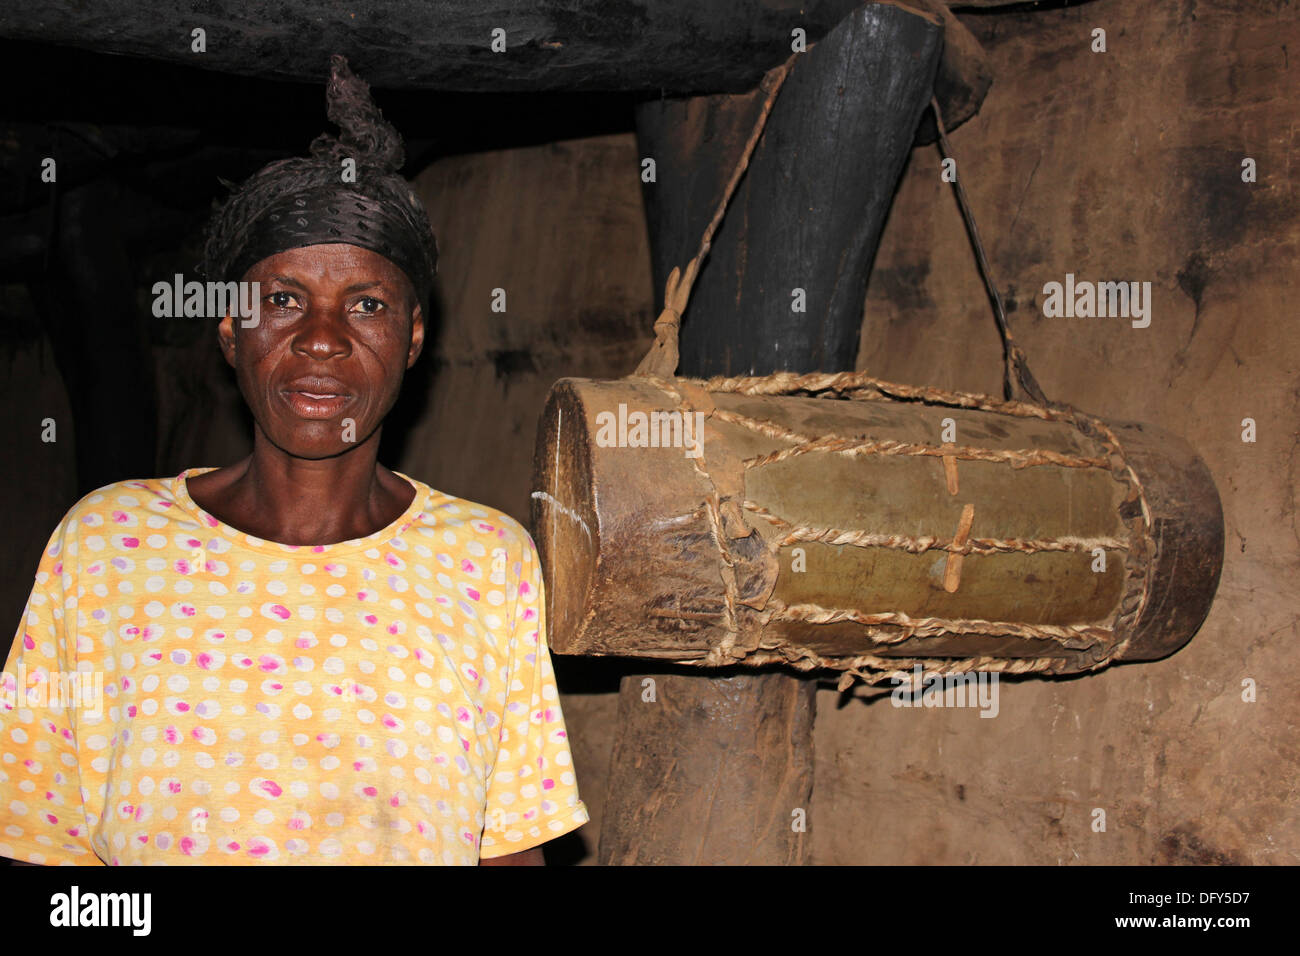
{"x": 417, "y": 336}
{"x": 226, "y": 338}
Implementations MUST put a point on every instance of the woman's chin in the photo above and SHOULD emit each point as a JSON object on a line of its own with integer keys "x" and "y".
{"x": 302, "y": 443}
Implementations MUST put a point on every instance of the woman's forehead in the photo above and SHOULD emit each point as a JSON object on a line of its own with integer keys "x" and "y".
{"x": 337, "y": 262}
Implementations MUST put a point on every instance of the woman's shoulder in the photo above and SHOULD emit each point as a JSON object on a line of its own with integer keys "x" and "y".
{"x": 127, "y": 494}
{"x": 121, "y": 502}
{"x": 446, "y": 511}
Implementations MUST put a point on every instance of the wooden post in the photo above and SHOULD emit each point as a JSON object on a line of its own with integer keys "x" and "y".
{"x": 718, "y": 769}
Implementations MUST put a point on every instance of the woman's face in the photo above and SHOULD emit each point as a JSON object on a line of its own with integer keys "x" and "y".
{"x": 322, "y": 366}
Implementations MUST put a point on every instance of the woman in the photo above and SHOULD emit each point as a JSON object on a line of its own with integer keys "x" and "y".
{"x": 306, "y": 657}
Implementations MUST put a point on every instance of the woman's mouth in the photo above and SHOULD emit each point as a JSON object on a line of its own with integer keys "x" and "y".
{"x": 317, "y": 405}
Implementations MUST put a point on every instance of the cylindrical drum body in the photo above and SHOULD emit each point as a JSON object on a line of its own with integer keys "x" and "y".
{"x": 847, "y": 523}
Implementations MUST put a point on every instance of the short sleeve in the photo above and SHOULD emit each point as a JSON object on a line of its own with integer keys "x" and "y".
{"x": 532, "y": 794}
{"x": 42, "y": 807}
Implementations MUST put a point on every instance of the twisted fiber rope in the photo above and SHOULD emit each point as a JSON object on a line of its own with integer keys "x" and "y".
{"x": 917, "y": 545}
{"x": 663, "y": 356}
{"x": 1137, "y": 593}
{"x": 1073, "y": 636}
{"x": 1015, "y": 368}
{"x": 787, "y": 383}
{"x": 859, "y": 386}
{"x": 1017, "y": 458}
{"x": 761, "y": 425}
{"x": 723, "y": 652}
{"x": 873, "y": 669}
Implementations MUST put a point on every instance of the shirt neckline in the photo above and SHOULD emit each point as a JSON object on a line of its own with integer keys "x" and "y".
{"x": 419, "y": 505}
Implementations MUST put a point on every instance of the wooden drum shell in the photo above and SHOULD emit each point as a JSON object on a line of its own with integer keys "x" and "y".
{"x": 820, "y": 531}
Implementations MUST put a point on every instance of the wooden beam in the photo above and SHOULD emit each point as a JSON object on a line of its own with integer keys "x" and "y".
{"x": 674, "y": 46}
{"x": 680, "y": 46}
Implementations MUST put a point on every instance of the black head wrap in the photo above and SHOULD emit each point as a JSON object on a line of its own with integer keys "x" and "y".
{"x": 305, "y": 201}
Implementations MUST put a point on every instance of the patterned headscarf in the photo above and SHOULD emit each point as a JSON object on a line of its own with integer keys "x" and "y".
{"x": 306, "y": 201}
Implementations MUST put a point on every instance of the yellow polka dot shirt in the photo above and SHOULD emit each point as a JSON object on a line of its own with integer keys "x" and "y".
{"x": 181, "y": 692}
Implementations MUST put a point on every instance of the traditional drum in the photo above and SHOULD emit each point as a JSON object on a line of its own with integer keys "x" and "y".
{"x": 834, "y": 520}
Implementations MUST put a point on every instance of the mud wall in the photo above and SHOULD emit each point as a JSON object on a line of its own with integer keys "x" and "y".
{"x": 1118, "y": 165}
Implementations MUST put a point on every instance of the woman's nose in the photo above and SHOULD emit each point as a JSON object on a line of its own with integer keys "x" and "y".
{"x": 323, "y": 330}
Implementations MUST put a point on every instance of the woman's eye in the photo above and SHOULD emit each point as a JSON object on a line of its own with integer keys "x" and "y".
{"x": 281, "y": 300}
{"x": 370, "y": 305}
